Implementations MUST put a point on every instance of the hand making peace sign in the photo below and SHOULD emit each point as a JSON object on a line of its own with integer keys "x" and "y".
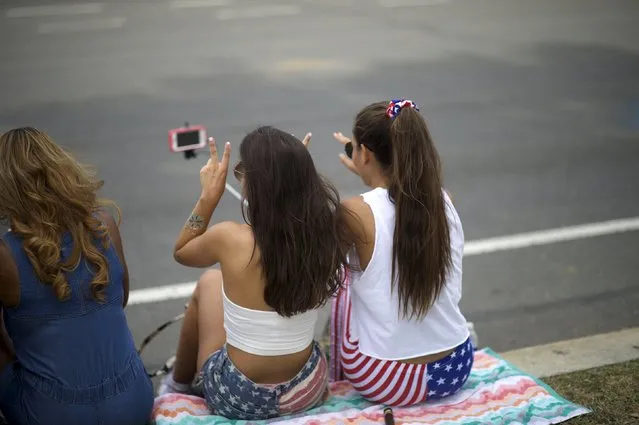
{"x": 213, "y": 174}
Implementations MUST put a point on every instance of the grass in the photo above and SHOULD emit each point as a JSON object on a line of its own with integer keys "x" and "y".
{"x": 611, "y": 392}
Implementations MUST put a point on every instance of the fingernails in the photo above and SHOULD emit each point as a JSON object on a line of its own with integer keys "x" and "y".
{"x": 211, "y": 140}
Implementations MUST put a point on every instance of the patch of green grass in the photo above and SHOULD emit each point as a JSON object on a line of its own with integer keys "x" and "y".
{"x": 611, "y": 392}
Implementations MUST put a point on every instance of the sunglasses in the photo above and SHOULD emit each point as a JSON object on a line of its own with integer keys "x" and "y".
{"x": 348, "y": 148}
{"x": 238, "y": 171}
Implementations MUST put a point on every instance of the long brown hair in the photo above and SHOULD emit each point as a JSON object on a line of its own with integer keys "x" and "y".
{"x": 44, "y": 193}
{"x": 421, "y": 241}
{"x": 294, "y": 214}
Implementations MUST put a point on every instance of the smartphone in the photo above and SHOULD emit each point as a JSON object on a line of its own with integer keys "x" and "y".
{"x": 187, "y": 138}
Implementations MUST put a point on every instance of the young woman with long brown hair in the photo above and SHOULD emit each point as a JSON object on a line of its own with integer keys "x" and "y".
{"x": 67, "y": 355}
{"x": 247, "y": 337}
{"x": 398, "y": 334}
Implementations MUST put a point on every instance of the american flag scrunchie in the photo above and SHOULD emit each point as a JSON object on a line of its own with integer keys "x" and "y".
{"x": 396, "y": 105}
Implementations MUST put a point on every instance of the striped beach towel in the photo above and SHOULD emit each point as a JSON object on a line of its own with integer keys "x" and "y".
{"x": 496, "y": 393}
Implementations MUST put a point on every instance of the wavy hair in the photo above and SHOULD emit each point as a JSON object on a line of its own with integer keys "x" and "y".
{"x": 45, "y": 193}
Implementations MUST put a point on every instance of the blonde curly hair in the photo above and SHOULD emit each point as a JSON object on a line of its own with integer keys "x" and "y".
{"x": 45, "y": 192}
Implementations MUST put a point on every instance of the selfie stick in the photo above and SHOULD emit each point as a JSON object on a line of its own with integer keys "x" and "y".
{"x": 189, "y": 154}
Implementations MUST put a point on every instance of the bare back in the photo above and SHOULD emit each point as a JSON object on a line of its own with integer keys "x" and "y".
{"x": 244, "y": 285}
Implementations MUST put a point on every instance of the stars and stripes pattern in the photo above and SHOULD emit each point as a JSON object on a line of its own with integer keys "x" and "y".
{"x": 396, "y": 105}
{"x": 230, "y": 394}
{"x": 395, "y": 383}
{"x": 495, "y": 393}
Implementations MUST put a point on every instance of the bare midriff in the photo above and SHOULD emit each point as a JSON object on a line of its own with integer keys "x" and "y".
{"x": 269, "y": 369}
{"x": 430, "y": 358}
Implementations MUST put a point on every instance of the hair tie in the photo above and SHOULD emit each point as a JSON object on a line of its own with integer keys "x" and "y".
{"x": 396, "y": 105}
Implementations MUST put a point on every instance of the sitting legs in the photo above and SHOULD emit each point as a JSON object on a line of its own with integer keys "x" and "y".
{"x": 202, "y": 333}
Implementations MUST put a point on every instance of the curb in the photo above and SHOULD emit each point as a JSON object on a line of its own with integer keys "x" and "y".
{"x": 576, "y": 354}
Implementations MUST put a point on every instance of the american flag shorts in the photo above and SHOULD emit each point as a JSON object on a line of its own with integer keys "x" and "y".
{"x": 230, "y": 394}
{"x": 391, "y": 382}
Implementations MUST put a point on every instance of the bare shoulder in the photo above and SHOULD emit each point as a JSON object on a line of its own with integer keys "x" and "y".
{"x": 237, "y": 243}
{"x": 359, "y": 220}
{"x": 113, "y": 228}
{"x": 230, "y": 229}
{"x": 230, "y": 234}
{"x": 5, "y": 257}
{"x": 355, "y": 209}
{"x": 106, "y": 217}
{"x": 355, "y": 204}
{"x": 9, "y": 280}
{"x": 114, "y": 233}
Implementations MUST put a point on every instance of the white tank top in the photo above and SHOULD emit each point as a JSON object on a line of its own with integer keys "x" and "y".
{"x": 375, "y": 318}
{"x": 266, "y": 333}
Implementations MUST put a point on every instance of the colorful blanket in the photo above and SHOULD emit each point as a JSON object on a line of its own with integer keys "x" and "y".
{"x": 496, "y": 393}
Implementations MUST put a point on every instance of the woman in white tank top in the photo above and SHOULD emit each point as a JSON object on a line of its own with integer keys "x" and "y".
{"x": 247, "y": 335}
{"x": 398, "y": 334}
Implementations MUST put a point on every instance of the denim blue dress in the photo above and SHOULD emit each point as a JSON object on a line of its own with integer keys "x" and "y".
{"x": 76, "y": 360}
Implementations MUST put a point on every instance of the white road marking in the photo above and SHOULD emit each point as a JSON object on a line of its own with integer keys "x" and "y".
{"x": 410, "y": 3}
{"x": 161, "y": 293}
{"x": 57, "y": 10}
{"x": 482, "y": 246}
{"x": 545, "y": 237}
{"x": 80, "y": 26}
{"x": 188, "y": 4}
{"x": 258, "y": 12}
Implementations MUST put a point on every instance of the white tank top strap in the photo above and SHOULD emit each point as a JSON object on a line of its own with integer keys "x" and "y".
{"x": 266, "y": 333}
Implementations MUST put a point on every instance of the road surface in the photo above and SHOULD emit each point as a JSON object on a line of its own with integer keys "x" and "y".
{"x": 534, "y": 107}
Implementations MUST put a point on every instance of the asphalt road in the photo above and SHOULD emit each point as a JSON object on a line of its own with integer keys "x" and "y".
{"x": 534, "y": 107}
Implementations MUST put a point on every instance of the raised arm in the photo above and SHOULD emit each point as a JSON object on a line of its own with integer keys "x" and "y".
{"x": 198, "y": 245}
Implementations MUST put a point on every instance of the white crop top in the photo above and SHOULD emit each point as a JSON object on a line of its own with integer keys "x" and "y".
{"x": 375, "y": 318}
{"x": 266, "y": 333}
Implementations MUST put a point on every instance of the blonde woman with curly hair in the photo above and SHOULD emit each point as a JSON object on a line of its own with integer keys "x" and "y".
{"x": 66, "y": 353}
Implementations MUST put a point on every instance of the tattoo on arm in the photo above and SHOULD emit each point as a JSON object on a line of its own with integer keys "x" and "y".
{"x": 195, "y": 224}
